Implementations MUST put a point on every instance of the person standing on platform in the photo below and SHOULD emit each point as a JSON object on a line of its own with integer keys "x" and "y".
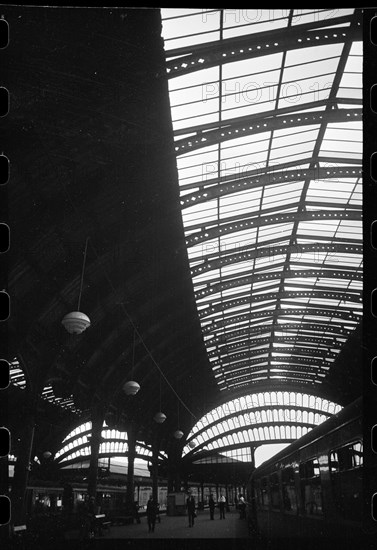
{"x": 151, "y": 514}
{"x": 222, "y": 502}
{"x": 190, "y": 504}
{"x": 135, "y": 511}
{"x": 242, "y": 507}
{"x": 211, "y": 504}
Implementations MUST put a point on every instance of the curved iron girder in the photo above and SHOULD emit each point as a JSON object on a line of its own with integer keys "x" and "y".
{"x": 327, "y": 309}
{"x": 279, "y": 385}
{"x": 286, "y": 208}
{"x": 305, "y": 374}
{"x": 305, "y": 328}
{"x": 193, "y": 458}
{"x": 274, "y": 251}
{"x": 243, "y": 182}
{"x": 87, "y": 433}
{"x": 102, "y": 455}
{"x": 262, "y": 124}
{"x": 215, "y": 286}
{"x": 270, "y": 296}
{"x": 303, "y": 343}
{"x": 230, "y": 366}
{"x": 251, "y": 426}
{"x": 236, "y": 175}
{"x": 259, "y": 408}
{"x": 260, "y": 44}
{"x": 230, "y": 362}
{"x": 303, "y": 337}
{"x": 282, "y": 313}
{"x": 262, "y": 361}
{"x": 251, "y": 351}
{"x": 290, "y": 372}
{"x": 308, "y": 379}
{"x": 354, "y": 214}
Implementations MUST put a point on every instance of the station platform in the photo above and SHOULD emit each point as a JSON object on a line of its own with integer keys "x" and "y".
{"x": 176, "y": 527}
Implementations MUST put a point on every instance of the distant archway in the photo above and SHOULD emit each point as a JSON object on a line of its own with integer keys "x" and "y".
{"x": 256, "y": 419}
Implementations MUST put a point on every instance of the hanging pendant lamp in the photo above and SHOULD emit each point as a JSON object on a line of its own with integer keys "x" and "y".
{"x": 77, "y": 322}
{"x": 131, "y": 387}
{"x": 178, "y": 434}
{"x": 160, "y": 417}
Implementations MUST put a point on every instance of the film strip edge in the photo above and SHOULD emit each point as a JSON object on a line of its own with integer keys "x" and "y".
{"x": 5, "y": 436}
{"x": 370, "y": 273}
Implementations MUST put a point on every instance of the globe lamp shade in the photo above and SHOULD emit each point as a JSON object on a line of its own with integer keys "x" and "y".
{"x": 75, "y": 322}
{"x": 159, "y": 417}
{"x": 131, "y": 387}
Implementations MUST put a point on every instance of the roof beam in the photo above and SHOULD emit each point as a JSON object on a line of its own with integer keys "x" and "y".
{"x": 280, "y": 312}
{"x": 269, "y": 252}
{"x": 235, "y": 176}
{"x": 281, "y": 209}
{"x": 259, "y": 409}
{"x": 251, "y": 222}
{"x": 313, "y": 293}
{"x": 260, "y": 44}
{"x": 251, "y": 426}
{"x": 333, "y": 272}
{"x": 253, "y": 126}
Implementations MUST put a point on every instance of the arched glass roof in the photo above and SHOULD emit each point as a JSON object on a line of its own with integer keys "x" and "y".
{"x": 266, "y": 109}
{"x": 17, "y": 378}
{"x": 273, "y": 417}
{"x": 76, "y": 445}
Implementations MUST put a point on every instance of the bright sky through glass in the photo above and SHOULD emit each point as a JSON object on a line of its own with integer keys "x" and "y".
{"x": 274, "y": 417}
{"x": 266, "y": 110}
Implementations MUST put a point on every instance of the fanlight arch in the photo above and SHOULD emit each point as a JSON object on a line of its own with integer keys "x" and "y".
{"x": 76, "y": 445}
{"x": 256, "y": 419}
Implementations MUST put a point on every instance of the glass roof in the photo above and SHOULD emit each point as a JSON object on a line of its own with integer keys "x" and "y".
{"x": 266, "y": 110}
{"x": 255, "y": 418}
{"x": 76, "y": 445}
{"x": 17, "y": 378}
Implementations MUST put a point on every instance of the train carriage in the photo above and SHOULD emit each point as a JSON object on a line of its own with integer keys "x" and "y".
{"x": 315, "y": 485}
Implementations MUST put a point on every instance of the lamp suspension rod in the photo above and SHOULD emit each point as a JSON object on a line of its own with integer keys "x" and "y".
{"x": 133, "y": 353}
{"x": 82, "y": 272}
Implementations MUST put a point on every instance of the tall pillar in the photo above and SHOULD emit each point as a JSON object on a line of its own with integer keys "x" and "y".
{"x": 252, "y": 457}
{"x": 131, "y": 438}
{"x": 155, "y": 449}
{"x": 170, "y": 478}
{"x": 98, "y": 416}
{"x": 174, "y": 473}
{"x": 24, "y": 457}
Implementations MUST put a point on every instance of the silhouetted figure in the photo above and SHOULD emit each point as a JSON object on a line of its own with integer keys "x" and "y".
{"x": 151, "y": 514}
{"x": 135, "y": 512}
{"x": 242, "y": 507}
{"x": 211, "y": 504}
{"x": 158, "y": 517}
{"x": 222, "y": 503}
{"x": 190, "y": 504}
